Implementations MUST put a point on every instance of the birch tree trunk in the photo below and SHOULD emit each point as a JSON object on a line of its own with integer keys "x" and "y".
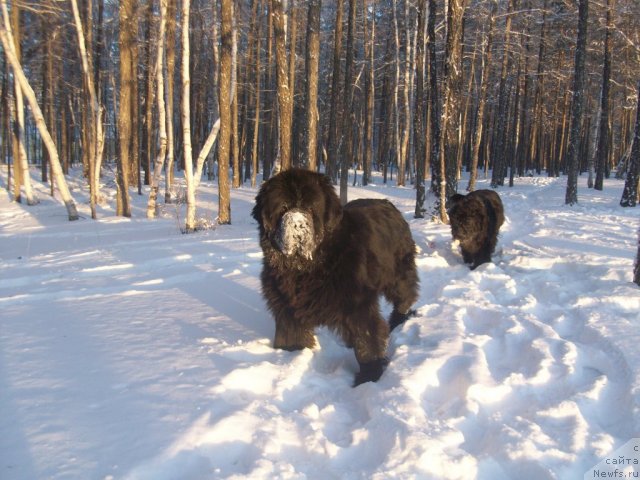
{"x": 171, "y": 61}
{"x": 190, "y": 224}
{"x": 162, "y": 127}
{"x": 56, "y": 169}
{"x": 96, "y": 136}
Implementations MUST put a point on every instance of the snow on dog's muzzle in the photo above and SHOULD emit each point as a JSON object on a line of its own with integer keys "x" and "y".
{"x": 295, "y": 234}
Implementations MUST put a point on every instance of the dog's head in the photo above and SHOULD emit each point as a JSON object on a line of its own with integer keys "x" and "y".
{"x": 296, "y": 210}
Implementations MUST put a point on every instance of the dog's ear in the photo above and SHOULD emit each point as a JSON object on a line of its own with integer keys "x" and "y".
{"x": 454, "y": 200}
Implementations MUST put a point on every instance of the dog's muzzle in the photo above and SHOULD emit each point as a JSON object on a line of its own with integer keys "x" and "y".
{"x": 295, "y": 234}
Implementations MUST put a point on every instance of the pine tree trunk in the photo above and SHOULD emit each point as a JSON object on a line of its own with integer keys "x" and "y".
{"x": 573, "y": 160}
{"x": 347, "y": 156}
{"x": 312, "y": 61}
{"x": 334, "y": 114}
{"x": 128, "y": 109}
{"x": 602, "y": 150}
{"x": 285, "y": 99}
{"x": 453, "y": 51}
{"x": 484, "y": 86}
{"x": 630, "y": 192}
{"x": 499, "y": 165}
{"x": 419, "y": 113}
{"x": 370, "y": 93}
{"x": 434, "y": 103}
{"x": 224, "y": 142}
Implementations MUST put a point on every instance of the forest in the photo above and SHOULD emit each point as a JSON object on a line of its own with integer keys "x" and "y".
{"x": 419, "y": 90}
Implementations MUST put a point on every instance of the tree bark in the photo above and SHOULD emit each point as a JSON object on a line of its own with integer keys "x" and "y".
{"x": 312, "y": 61}
{"x": 419, "y": 113}
{"x": 224, "y": 142}
{"x": 128, "y": 108}
{"x": 285, "y": 99}
{"x": 630, "y": 192}
{"x": 95, "y": 134}
{"x": 453, "y": 51}
{"x": 484, "y": 87}
{"x": 573, "y": 160}
{"x": 190, "y": 224}
{"x": 602, "y": 150}
{"x": 370, "y": 93}
{"x": 171, "y": 54}
{"x": 499, "y": 164}
{"x": 20, "y": 159}
{"x": 162, "y": 115}
{"x": 334, "y": 114}
{"x": 347, "y": 156}
{"x": 56, "y": 169}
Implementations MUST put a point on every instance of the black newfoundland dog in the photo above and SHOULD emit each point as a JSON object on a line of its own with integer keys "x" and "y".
{"x": 327, "y": 265}
{"x": 475, "y": 221}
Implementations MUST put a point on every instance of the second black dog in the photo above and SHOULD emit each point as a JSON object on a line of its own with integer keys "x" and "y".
{"x": 475, "y": 220}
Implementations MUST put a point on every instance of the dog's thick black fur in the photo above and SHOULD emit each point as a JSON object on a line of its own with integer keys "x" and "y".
{"x": 475, "y": 220}
{"x": 328, "y": 265}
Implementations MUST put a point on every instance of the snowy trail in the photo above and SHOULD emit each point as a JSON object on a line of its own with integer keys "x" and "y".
{"x": 130, "y": 351}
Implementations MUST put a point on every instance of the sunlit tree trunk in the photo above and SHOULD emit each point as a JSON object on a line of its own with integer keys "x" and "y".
{"x": 162, "y": 120}
{"x": 95, "y": 136}
{"x": 190, "y": 224}
{"x": 312, "y": 61}
{"x": 171, "y": 55}
{"x": 56, "y": 169}
{"x": 284, "y": 94}
{"x": 20, "y": 159}
{"x": 224, "y": 142}
{"x": 127, "y": 107}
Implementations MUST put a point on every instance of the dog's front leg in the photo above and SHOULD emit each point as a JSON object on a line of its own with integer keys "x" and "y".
{"x": 292, "y": 335}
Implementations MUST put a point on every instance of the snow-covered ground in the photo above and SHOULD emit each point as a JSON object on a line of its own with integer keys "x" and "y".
{"x": 131, "y": 351}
